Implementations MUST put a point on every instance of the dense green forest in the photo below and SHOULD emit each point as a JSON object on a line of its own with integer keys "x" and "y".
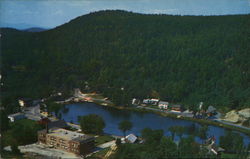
{"x": 180, "y": 59}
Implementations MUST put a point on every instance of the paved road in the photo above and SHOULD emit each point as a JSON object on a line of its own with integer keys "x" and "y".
{"x": 107, "y": 144}
{"x": 217, "y": 120}
{"x": 47, "y": 152}
{"x": 231, "y": 124}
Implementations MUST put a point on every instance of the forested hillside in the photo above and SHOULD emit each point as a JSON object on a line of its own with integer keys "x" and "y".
{"x": 181, "y": 59}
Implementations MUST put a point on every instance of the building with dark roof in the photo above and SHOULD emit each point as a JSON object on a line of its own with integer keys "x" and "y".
{"x": 15, "y": 117}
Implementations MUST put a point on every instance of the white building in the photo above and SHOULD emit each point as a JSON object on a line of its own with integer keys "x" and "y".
{"x": 151, "y": 101}
{"x": 131, "y": 138}
{"x": 135, "y": 101}
{"x": 163, "y": 105}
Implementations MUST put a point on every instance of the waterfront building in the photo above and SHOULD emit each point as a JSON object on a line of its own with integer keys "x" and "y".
{"x": 67, "y": 140}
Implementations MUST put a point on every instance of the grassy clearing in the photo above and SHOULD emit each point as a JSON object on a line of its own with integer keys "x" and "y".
{"x": 103, "y": 139}
{"x": 100, "y": 154}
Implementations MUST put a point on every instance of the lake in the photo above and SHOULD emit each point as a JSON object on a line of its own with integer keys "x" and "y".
{"x": 140, "y": 120}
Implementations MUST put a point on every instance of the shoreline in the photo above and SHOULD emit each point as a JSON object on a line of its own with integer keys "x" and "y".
{"x": 163, "y": 114}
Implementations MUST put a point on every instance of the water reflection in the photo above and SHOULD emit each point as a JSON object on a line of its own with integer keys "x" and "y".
{"x": 140, "y": 120}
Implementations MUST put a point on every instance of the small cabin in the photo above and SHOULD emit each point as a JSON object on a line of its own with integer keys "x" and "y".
{"x": 131, "y": 138}
{"x": 135, "y": 101}
{"x": 176, "y": 108}
{"x": 163, "y": 105}
{"x": 211, "y": 111}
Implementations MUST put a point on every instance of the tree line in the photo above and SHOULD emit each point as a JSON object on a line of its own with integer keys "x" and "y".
{"x": 181, "y": 59}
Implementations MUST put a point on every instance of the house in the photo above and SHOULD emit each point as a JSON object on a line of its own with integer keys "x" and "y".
{"x": 135, "y": 101}
{"x": 131, "y": 138}
{"x": 163, "y": 105}
{"x": 66, "y": 140}
{"x": 211, "y": 111}
{"x": 151, "y": 101}
{"x": 176, "y": 108}
{"x": 17, "y": 116}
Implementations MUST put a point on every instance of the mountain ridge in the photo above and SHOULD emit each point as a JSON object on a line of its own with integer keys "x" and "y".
{"x": 182, "y": 59}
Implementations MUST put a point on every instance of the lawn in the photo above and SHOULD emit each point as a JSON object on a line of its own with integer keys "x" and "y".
{"x": 100, "y": 154}
{"x": 103, "y": 139}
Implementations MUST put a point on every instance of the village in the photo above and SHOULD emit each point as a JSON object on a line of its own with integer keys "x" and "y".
{"x": 177, "y": 109}
{"x": 67, "y": 139}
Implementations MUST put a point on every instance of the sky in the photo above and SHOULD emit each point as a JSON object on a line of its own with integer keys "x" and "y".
{"x": 22, "y": 14}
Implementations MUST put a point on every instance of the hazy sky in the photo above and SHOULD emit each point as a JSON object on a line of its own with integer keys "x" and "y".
{"x": 51, "y": 13}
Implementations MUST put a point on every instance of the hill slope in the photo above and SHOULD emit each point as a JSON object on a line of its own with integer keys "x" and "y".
{"x": 185, "y": 59}
{"x": 35, "y": 29}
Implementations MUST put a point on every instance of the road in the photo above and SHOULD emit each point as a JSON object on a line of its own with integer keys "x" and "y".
{"x": 217, "y": 120}
{"x": 231, "y": 124}
{"x": 107, "y": 144}
{"x": 47, "y": 152}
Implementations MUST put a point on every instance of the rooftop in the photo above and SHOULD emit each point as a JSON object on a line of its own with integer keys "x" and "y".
{"x": 68, "y": 135}
{"x": 163, "y": 102}
{"x": 58, "y": 124}
{"x": 16, "y": 114}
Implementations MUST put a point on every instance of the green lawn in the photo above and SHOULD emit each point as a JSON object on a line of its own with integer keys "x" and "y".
{"x": 103, "y": 139}
{"x": 100, "y": 154}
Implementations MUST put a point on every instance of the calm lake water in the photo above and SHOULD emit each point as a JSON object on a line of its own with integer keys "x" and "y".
{"x": 140, "y": 120}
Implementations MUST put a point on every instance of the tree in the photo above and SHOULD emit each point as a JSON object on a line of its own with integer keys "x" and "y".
{"x": 14, "y": 149}
{"x": 92, "y": 124}
{"x": 232, "y": 142}
{"x": 21, "y": 128}
{"x": 173, "y": 130}
{"x": 118, "y": 141}
{"x": 191, "y": 129}
{"x": 188, "y": 148}
{"x": 167, "y": 148}
{"x": 4, "y": 121}
{"x": 152, "y": 137}
{"x": 203, "y": 132}
{"x": 180, "y": 131}
{"x": 125, "y": 126}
